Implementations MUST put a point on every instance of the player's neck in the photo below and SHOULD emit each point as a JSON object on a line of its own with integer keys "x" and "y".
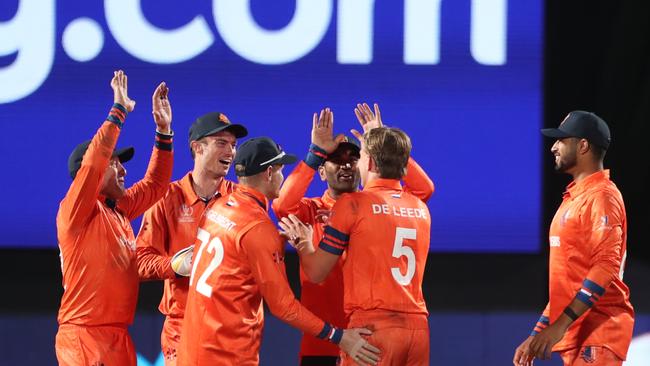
{"x": 204, "y": 185}
{"x": 334, "y": 194}
{"x": 586, "y": 170}
{"x": 371, "y": 176}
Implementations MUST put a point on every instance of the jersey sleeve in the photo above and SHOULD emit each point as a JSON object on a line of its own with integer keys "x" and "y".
{"x": 606, "y": 218}
{"x": 291, "y": 199}
{"x": 81, "y": 199}
{"x": 417, "y": 182}
{"x": 153, "y": 186}
{"x": 265, "y": 252}
{"x": 153, "y": 259}
{"x": 342, "y": 218}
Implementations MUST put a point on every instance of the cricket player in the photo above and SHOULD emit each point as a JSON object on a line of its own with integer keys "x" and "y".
{"x": 385, "y": 232}
{"x": 335, "y": 160}
{"x": 171, "y": 224}
{"x": 239, "y": 262}
{"x": 589, "y": 317}
{"x": 98, "y": 259}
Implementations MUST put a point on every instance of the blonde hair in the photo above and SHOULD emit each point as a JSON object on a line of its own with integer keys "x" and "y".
{"x": 390, "y": 149}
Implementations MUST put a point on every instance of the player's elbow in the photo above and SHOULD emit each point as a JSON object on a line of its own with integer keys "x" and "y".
{"x": 279, "y": 208}
{"x": 315, "y": 274}
{"x": 429, "y": 190}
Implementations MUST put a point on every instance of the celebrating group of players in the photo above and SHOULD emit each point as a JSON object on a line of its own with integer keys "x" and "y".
{"x": 362, "y": 252}
{"x": 220, "y": 254}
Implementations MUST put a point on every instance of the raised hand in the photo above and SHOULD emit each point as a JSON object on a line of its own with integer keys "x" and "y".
{"x": 367, "y": 119}
{"x": 161, "y": 109}
{"x": 298, "y": 234}
{"x": 322, "y": 131}
{"x": 120, "y": 85}
{"x": 362, "y": 352}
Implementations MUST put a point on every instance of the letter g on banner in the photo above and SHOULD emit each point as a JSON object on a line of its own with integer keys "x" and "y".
{"x": 30, "y": 34}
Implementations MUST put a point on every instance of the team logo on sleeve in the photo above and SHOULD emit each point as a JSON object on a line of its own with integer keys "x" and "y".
{"x": 554, "y": 241}
{"x": 185, "y": 213}
{"x": 604, "y": 223}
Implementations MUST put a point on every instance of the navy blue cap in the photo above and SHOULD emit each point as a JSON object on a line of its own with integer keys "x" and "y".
{"x": 257, "y": 154}
{"x": 211, "y": 123}
{"x": 348, "y": 143}
{"x": 75, "y": 158}
{"x": 584, "y": 125}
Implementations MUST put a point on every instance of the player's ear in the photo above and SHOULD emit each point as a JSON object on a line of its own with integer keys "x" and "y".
{"x": 372, "y": 166}
{"x": 196, "y": 147}
{"x": 321, "y": 173}
{"x": 269, "y": 173}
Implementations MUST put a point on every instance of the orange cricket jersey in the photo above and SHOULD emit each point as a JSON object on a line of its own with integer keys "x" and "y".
{"x": 98, "y": 260}
{"x": 326, "y": 298}
{"x": 239, "y": 261}
{"x": 385, "y": 232}
{"x": 588, "y": 248}
{"x": 167, "y": 227}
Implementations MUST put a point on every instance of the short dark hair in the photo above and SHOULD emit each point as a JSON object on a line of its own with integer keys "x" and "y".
{"x": 390, "y": 148}
{"x": 598, "y": 151}
{"x": 240, "y": 169}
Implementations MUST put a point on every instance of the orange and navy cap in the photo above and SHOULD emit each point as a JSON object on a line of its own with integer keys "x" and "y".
{"x": 211, "y": 123}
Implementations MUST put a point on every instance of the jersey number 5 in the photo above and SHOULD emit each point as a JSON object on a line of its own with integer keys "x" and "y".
{"x": 215, "y": 247}
{"x": 401, "y": 250}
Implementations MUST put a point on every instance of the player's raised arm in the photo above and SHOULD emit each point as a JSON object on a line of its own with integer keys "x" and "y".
{"x": 295, "y": 187}
{"x": 153, "y": 186}
{"x": 88, "y": 162}
{"x": 416, "y": 180}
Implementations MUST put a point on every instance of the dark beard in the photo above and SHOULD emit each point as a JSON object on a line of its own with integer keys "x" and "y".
{"x": 566, "y": 163}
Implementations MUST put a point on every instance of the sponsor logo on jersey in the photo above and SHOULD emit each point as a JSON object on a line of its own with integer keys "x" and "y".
{"x": 185, "y": 213}
{"x": 130, "y": 244}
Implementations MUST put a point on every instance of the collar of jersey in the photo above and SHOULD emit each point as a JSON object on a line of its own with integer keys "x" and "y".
{"x": 253, "y": 195}
{"x": 575, "y": 189}
{"x": 327, "y": 199}
{"x": 383, "y": 183}
{"x": 190, "y": 196}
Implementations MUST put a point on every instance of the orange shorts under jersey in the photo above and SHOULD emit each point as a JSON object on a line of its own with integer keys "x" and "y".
{"x": 590, "y": 356}
{"x": 402, "y": 338}
{"x": 94, "y": 346}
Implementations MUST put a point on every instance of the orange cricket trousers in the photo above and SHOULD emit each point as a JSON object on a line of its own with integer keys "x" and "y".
{"x": 78, "y": 345}
{"x": 402, "y": 338}
{"x": 170, "y": 339}
{"x": 590, "y": 356}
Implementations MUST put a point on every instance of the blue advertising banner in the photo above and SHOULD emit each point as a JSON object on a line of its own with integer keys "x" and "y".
{"x": 463, "y": 78}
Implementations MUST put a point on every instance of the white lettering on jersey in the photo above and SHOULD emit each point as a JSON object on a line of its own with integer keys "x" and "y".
{"x": 220, "y": 220}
